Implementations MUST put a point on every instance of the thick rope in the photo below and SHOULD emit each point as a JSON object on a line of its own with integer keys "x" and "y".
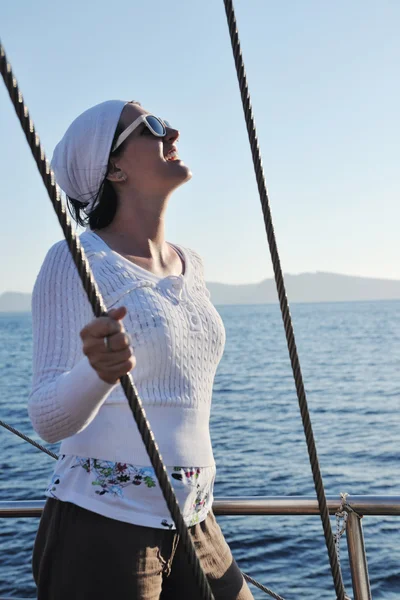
{"x": 100, "y": 309}
{"x": 261, "y": 587}
{"x": 28, "y": 439}
{"x": 287, "y": 321}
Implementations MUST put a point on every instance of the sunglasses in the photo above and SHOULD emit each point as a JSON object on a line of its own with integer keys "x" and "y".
{"x": 157, "y": 126}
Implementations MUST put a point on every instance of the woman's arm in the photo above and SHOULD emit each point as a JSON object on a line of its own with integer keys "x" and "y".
{"x": 66, "y": 391}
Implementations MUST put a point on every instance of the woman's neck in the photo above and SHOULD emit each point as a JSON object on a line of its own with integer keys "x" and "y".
{"x": 137, "y": 230}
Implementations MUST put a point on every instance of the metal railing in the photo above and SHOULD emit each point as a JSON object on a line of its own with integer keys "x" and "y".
{"x": 357, "y": 507}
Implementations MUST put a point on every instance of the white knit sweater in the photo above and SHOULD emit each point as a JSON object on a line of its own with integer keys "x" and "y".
{"x": 178, "y": 340}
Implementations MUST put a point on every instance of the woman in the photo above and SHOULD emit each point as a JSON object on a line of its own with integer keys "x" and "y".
{"x": 106, "y": 531}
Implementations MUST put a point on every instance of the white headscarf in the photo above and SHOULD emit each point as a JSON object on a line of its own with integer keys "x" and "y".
{"x": 80, "y": 159}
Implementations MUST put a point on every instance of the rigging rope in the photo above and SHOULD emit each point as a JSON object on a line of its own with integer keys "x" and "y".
{"x": 283, "y": 301}
{"x": 99, "y": 309}
{"x": 261, "y": 587}
{"x": 28, "y": 439}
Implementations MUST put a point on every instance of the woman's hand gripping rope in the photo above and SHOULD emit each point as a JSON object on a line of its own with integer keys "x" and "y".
{"x": 108, "y": 346}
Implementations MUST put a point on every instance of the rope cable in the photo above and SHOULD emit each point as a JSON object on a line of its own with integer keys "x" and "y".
{"x": 261, "y": 587}
{"x": 283, "y": 301}
{"x": 99, "y": 309}
{"x": 28, "y": 439}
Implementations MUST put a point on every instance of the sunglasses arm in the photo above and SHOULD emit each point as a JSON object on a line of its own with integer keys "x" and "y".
{"x": 128, "y": 131}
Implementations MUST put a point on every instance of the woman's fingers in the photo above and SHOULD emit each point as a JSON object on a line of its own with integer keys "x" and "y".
{"x": 107, "y": 343}
{"x": 117, "y": 313}
{"x": 117, "y": 341}
{"x": 113, "y": 359}
{"x": 120, "y": 363}
{"x": 102, "y": 327}
{"x": 108, "y": 346}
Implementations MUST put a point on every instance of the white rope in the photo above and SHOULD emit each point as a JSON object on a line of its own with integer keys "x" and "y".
{"x": 342, "y": 515}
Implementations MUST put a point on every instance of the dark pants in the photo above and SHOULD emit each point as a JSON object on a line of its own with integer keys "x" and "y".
{"x": 80, "y": 555}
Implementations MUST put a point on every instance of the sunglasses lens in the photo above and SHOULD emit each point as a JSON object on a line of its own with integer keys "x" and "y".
{"x": 156, "y": 125}
{"x": 167, "y": 123}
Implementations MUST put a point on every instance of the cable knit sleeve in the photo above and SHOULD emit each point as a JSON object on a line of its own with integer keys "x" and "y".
{"x": 66, "y": 391}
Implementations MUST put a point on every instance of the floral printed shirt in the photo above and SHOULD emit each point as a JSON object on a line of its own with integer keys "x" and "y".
{"x": 131, "y": 493}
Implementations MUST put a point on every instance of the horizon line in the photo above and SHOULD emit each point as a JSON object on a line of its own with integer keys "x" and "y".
{"x": 271, "y": 278}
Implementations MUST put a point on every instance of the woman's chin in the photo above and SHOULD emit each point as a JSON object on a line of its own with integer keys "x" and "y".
{"x": 189, "y": 173}
{"x": 179, "y": 171}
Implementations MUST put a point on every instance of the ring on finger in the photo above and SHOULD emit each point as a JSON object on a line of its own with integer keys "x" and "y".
{"x": 106, "y": 341}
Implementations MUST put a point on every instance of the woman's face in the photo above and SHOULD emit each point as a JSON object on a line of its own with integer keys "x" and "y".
{"x": 144, "y": 163}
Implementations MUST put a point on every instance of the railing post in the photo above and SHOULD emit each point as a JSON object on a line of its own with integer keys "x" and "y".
{"x": 357, "y": 558}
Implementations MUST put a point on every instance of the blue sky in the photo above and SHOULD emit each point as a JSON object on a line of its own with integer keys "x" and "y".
{"x": 324, "y": 83}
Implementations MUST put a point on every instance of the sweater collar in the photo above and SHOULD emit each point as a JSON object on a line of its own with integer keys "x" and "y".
{"x": 98, "y": 243}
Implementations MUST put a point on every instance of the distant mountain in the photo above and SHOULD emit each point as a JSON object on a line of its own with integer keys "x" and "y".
{"x": 307, "y": 287}
{"x": 15, "y": 302}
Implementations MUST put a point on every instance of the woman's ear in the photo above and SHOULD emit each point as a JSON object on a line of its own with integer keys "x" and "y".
{"x": 115, "y": 173}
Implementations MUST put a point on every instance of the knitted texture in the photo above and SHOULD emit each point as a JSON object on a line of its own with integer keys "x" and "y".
{"x": 177, "y": 336}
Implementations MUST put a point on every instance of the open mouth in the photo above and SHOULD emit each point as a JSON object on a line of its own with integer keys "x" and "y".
{"x": 172, "y": 155}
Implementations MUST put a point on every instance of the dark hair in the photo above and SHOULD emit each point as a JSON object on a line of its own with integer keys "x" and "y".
{"x": 106, "y": 208}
